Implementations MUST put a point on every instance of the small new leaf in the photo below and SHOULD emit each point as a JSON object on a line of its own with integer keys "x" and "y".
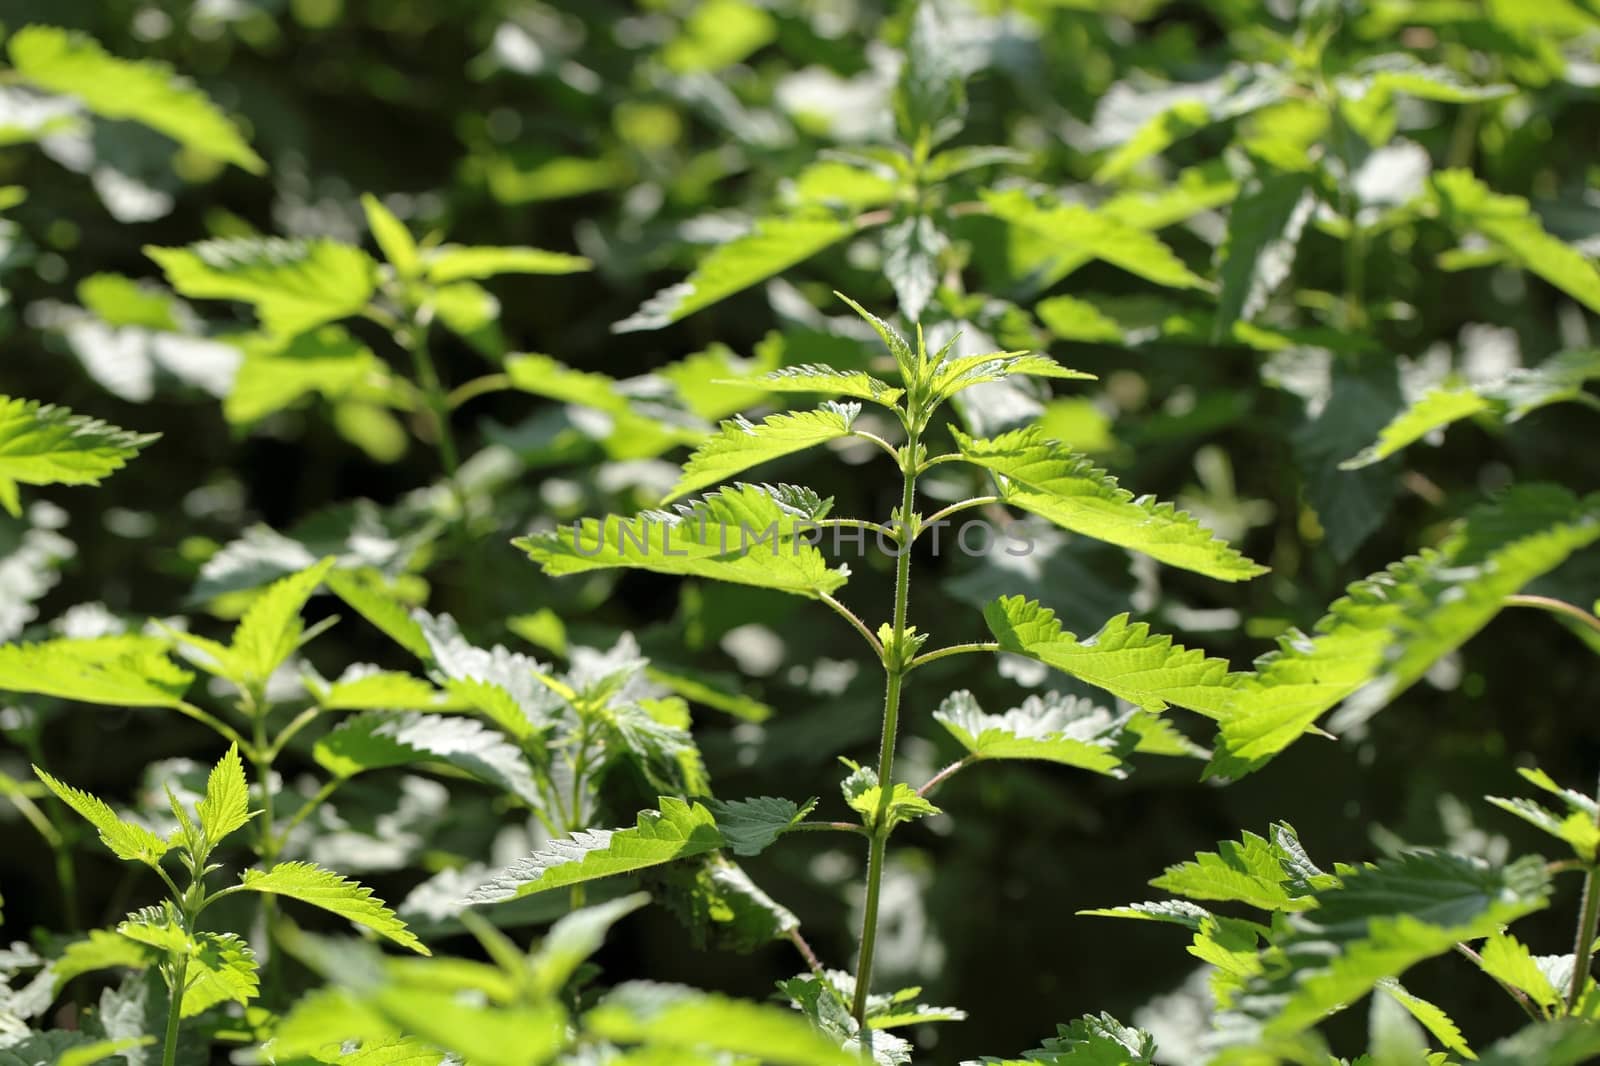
{"x": 127, "y": 841}
{"x": 742, "y": 444}
{"x": 226, "y": 805}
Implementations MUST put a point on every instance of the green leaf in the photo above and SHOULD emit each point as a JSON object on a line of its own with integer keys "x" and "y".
{"x": 270, "y": 630}
{"x": 278, "y": 371}
{"x": 814, "y": 377}
{"x": 1393, "y": 1037}
{"x": 864, "y": 796}
{"x": 379, "y": 740}
{"x": 678, "y": 830}
{"x": 771, "y": 247}
{"x": 718, "y": 34}
{"x": 102, "y": 949}
{"x": 1264, "y": 227}
{"x": 909, "y": 362}
{"x": 369, "y": 595}
{"x": 454, "y": 262}
{"x": 1090, "y": 1041}
{"x": 1560, "y": 379}
{"x": 1562, "y": 1043}
{"x": 149, "y": 93}
{"x": 1250, "y": 871}
{"x": 1432, "y": 1017}
{"x": 1075, "y": 230}
{"x": 741, "y": 444}
{"x": 1052, "y": 728}
{"x": 226, "y": 805}
{"x": 743, "y": 534}
{"x": 544, "y": 376}
{"x": 1183, "y": 110}
{"x": 930, "y": 100}
{"x": 1386, "y": 631}
{"x": 669, "y": 1016}
{"x": 221, "y": 969}
{"x": 1508, "y": 960}
{"x": 44, "y": 445}
{"x": 121, "y": 301}
{"x": 1123, "y": 658}
{"x": 715, "y": 383}
{"x": 127, "y": 841}
{"x": 294, "y": 285}
{"x": 1071, "y": 319}
{"x": 952, "y": 374}
{"x": 120, "y": 670}
{"x": 512, "y": 690}
{"x": 722, "y": 908}
{"x": 1579, "y": 828}
{"x": 1467, "y": 204}
{"x": 1401, "y": 72}
{"x": 311, "y": 884}
{"x": 911, "y": 251}
{"x": 750, "y": 826}
{"x": 575, "y": 937}
{"x": 394, "y": 240}
{"x": 365, "y": 688}
{"x": 100, "y": 1050}
{"x": 1042, "y": 476}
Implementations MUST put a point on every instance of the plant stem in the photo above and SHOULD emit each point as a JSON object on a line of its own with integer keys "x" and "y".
{"x": 1515, "y": 993}
{"x": 306, "y": 810}
{"x": 954, "y": 649}
{"x": 266, "y": 839}
{"x": 850, "y": 616}
{"x": 1588, "y": 921}
{"x": 948, "y": 772}
{"x": 169, "y": 1050}
{"x": 895, "y": 670}
{"x": 1555, "y": 606}
{"x": 954, "y": 508}
{"x": 476, "y": 387}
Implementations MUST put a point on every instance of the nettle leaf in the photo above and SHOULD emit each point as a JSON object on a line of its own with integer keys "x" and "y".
{"x": 1383, "y": 919}
{"x": 1264, "y": 227}
{"x": 1251, "y": 870}
{"x": 1072, "y": 319}
{"x": 145, "y": 92}
{"x": 127, "y": 840}
{"x": 1560, "y": 379}
{"x": 930, "y": 100}
{"x": 226, "y": 804}
{"x": 678, "y": 830}
{"x": 1579, "y": 827}
{"x": 294, "y": 285}
{"x": 1508, "y": 221}
{"x": 370, "y": 596}
{"x": 547, "y": 377}
{"x": 1074, "y": 229}
{"x": 514, "y": 691}
{"x": 1561, "y": 1043}
{"x": 311, "y": 884}
{"x": 271, "y": 629}
{"x": 1124, "y": 658}
{"x": 952, "y": 374}
{"x": 1040, "y": 475}
{"x": 674, "y": 1017}
{"x": 576, "y": 936}
{"x": 814, "y": 377}
{"x": 743, "y": 534}
{"x": 1174, "y": 113}
{"x": 864, "y": 795}
{"x": 1387, "y": 630}
{"x": 721, "y": 907}
{"x": 1051, "y": 728}
{"x": 911, "y": 250}
{"x": 45, "y": 445}
{"x": 221, "y": 969}
{"x": 394, "y": 239}
{"x": 772, "y": 246}
{"x": 129, "y": 671}
{"x": 1508, "y": 960}
{"x": 1401, "y": 72}
{"x": 742, "y": 444}
{"x": 750, "y": 826}
{"x": 454, "y": 262}
{"x": 1432, "y": 1017}
{"x": 278, "y": 371}
{"x": 714, "y": 383}
{"x": 1090, "y": 1041}
{"x": 363, "y": 687}
{"x": 379, "y": 740}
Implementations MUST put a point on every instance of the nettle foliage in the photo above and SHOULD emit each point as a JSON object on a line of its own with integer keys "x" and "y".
{"x": 586, "y": 766}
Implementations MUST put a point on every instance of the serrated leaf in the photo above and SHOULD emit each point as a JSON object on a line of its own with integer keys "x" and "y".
{"x": 1401, "y": 72}
{"x": 1432, "y": 1017}
{"x": 864, "y": 795}
{"x": 454, "y": 262}
{"x": 671, "y": 1016}
{"x": 119, "y": 670}
{"x": 741, "y": 444}
{"x": 930, "y": 100}
{"x": 221, "y": 969}
{"x": 226, "y": 805}
{"x": 1387, "y": 630}
{"x": 909, "y": 361}
{"x": 294, "y": 285}
{"x": 1042, "y": 476}
{"x": 278, "y": 371}
{"x": 512, "y": 690}
{"x": 723, "y": 909}
{"x": 1173, "y": 113}
{"x": 814, "y": 377}
{"x": 1249, "y": 870}
{"x": 1051, "y": 728}
{"x": 311, "y": 884}
{"x": 911, "y": 250}
{"x": 678, "y": 830}
{"x": 270, "y": 630}
{"x": 750, "y": 826}
{"x": 1577, "y": 830}
{"x": 1264, "y": 227}
{"x": 369, "y": 594}
{"x": 772, "y": 246}
{"x": 101, "y": 949}
{"x": 743, "y": 534}
{"x": 1123, "y": 658}
{"x": 1072, "y": 319}
{"x": 88, "y": 1054}
{"x": 45, "y": 445}
{"x": 126, "y": 840}
{"x": 379, "y": 740}
{"x": 1075, "y": 230}
{"x": 1171, "y": 911}
{"x": 365, "y": 688}
{"x": 1508, "y": 960}
{"x": 1090, "y": 1041}
{"x": 1560, "y": 379}
{"x": 145, "y": 92}
{"x": 394, "y": 240}
{"x": 953, "y": 374}
{"x": 1468, "y": 204}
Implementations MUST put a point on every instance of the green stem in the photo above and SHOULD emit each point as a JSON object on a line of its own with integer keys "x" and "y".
{"x": 169, "y": 1050}
{"x": 266, "y": 839}
{"x": 954, "y": 649}
{"x": 476, "y": 387}
{"x": 1555, "y": 606}
{"x": 855, "y": 620}
{"x": 948, "y": 772}
{"x": 1588, "y": 922}
{"x": 306, "y": 810}
{"x": 895, "y": 670}
{"x": 956, "y": 508}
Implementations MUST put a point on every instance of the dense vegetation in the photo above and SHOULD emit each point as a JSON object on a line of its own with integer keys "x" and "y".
{"x": 697, "y": 532}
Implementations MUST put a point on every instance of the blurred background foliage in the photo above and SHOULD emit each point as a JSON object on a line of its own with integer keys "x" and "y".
{"x": 640, "y": 135}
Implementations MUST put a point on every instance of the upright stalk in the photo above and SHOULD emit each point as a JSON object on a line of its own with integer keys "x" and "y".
{"x": 895, "y": 663}
{"x": 266, "y": 842}
{"x": 1588, "y": 922}
{"x": 169, "y": 1049}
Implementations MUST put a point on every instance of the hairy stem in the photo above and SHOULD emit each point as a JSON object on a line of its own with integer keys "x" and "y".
{"x": 1588, "y": 921}
{"x": 169, "y": 1049}
{"x": 855, "y": 620}
{"x": 954, "y": 649}
{"x": 1555, "y": 606}
{"x": 948, "y": 772}
{"x": 266, "y": 839}
{"x": 895, "y": 671}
